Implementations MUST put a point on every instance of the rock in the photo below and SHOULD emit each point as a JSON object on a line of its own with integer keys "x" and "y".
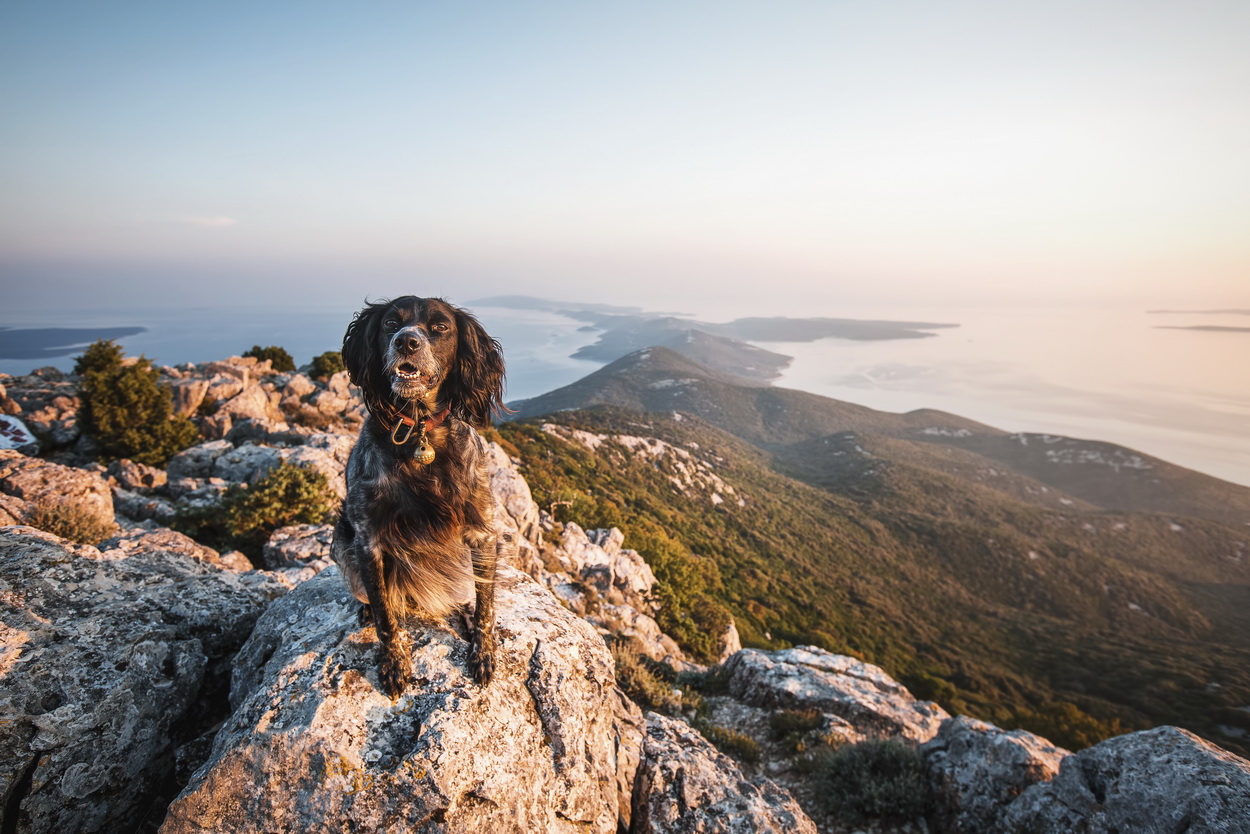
{"x": 222, "y": 387}
{"x": 138, "y": 507}
{"x": 620, "y": 576}
{"x": 515, "y": 508}
{"x": 729, "y": 642}
{"x": 246, "y": 464}
{"x": 160, "y": 540}
{"x": 976, "y": 769}
{"x": 133, "y": 475}
{"x": 106, "y": 662}
{"x": 298, "y": 546}
{"x": 198, "y": 461}
{"x": 298, "y": 386}
{"x": 686, "y": 786}
{"x": 808, "y": 678}
{"x": 253, "y": 401}
{"x": 314, "y": 745}
{"x": 188, "y": 394}
{"x": 35, "y": 481}
{"x": 48, "y": 402}
{"x": 322, "y": 461}
{"x": 1163, "y": 780}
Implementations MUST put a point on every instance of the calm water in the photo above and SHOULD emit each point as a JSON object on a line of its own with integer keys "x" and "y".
{"x": 1181, "y": 395}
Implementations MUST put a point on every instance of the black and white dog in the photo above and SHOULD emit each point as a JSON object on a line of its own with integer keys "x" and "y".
{"x": 416, "y": 534}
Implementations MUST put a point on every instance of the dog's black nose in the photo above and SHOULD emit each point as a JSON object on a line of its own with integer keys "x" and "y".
{"x": 410, "y": 341}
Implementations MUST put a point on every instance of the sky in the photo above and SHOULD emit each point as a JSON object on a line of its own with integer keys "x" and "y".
{"x": 673, "y": 155}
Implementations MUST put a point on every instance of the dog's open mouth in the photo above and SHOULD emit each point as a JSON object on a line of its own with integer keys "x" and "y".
{"x": 408, "y": 371}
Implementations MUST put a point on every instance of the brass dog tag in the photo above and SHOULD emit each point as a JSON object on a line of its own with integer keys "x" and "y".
{"x": 425, "y": 452}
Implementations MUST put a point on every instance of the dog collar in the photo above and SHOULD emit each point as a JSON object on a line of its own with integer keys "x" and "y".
{"x": 408, "y": 424}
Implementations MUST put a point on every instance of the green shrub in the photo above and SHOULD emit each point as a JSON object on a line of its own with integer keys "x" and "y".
{"x": 69, "y": 520}
{"x": 1066, "y": 725}
{"x": 246, "y": 517}
{"x": 648, "y": 683}
{"x": 874, "y": 780}
{"x": 730, "y": 742}
{"x": 126, "y": 411}
{"x": 282, "y": 361}
{"x": 327, "y": 364}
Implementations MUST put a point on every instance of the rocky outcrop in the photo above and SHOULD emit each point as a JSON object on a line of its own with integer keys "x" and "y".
{"x": 109, "y": 663}
{"x": 33, "y": 481}
{"x": 976, "y": 770}
{"x": 315, "y": 745}
{"x": 685, "y": 786}
{"x": 1160, "y": 781}
{"x": 808, "y": 678}
{"x": 47, "y": 402}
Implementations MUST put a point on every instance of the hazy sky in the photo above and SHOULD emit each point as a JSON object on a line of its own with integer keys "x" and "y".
{"x": 655, "y": 152}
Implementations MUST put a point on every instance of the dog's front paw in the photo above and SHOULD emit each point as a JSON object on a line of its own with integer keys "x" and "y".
{"x": 482, "y": 657}
{"x": 395, "y": 672}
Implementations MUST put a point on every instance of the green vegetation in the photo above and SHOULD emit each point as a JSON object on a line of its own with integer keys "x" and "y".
{"x": 730, "y": 742}
{"x": 647, "y": 683}
{"x": 877, "y": 780}
{"x": 126, "y": 411}
{"x": 69, "y": 520}
{"x": 326, "y": 365}
{"x": 246, "y": 517}
{"x": 1076, "y": 624}
{"x": 280, "y": 359}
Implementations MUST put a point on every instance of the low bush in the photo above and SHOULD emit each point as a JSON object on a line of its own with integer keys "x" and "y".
{"x": 69, "y": 521}
{"x": 280, "y": 359}
{"x": 730, "y": 742}
{"x": 126, "y": 411}
{"x": 246, "y": 518}
{"x": 873, "y": 780}
{"x": 647, "y": 683}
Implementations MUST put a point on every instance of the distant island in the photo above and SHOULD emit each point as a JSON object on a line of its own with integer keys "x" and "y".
{"x": 1214, "y": 327}
{"x": 1199, "y": 312}
{"x": 723, "y": 346}
{"x": 50, "y": 342}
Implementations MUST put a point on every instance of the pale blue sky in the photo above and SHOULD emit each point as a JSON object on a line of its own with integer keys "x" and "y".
{"x": 650, "y": 153}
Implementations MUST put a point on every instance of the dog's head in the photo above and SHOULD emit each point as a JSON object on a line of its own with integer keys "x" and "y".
{"x": 425, "y": 349}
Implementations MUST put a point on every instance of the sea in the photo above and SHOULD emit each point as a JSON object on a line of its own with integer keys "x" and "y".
{"x": 1141, "y": 379}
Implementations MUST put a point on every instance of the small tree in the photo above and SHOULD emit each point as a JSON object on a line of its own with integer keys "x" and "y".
{"x": 282, "y": 361}
{"x": 125, "y": 411}
{"x": 327, "y": 364}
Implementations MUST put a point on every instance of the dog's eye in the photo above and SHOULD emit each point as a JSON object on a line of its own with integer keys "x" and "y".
{"x": 441, "y": 327}
{"x": 391, "y": 324}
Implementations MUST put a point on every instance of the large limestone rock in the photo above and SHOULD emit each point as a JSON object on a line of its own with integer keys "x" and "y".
{"x": 1160, "y": 781}
{"x": 34, "y": 480}
{"x": 976, "y": 769}
{"x": 685, "y": 786}
{"x": 314, "y": 745}
{"x": 106, "y": 665}
{"x": 810, "y": 678}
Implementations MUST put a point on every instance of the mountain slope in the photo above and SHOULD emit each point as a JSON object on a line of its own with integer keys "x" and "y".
{"x": 993, "y": 606}
{"x": 1048, "y": 468}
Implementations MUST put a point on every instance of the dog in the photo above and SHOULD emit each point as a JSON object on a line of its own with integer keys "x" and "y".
{"x": 416, "y": 532}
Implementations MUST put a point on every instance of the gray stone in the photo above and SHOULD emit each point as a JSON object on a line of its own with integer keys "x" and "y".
{"x": 807, "y": 677}
{"x": 37, "y": 481}
{"x": 138, "y": 507}
{"x": 314, "y": 745}
{"x": 253, "y": 401}
{"x": 103, "y": 657}
{"x": 1160, "y": 781}
{"x": 298, "y": 546}
{"x": 198, "y": 461}
{"x": 976, "y": 769}
{"x": 246, "y": 464}
{"x": 188, "y": 394}
{"x": 136, "y": 476}
{"x": 686, "y": 786}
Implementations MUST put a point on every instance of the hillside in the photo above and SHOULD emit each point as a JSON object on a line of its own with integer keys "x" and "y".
{"x": 795, "y": 425}
{"x": 1068, "y": 621}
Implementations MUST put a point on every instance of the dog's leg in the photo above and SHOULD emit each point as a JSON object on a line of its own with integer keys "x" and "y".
{"x": 395, "y": 669}
{"x": 482, "y": 642}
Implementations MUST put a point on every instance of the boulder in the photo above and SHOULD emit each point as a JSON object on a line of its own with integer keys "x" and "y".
{"x": 34, "y": 481}
{"x": 160, "y": 540}
{"x": 253, "y": 401}
{"x": 686, "y": 786}
{"x": 809, "y": 678}
{"x": 298, "y": 546}
{"x": 188, "y": 394}
{"x": 246, "y": 464}
{"x": 198, "y": 461}
{"x": 315, "y": 745}
{"x": 136, "y": 476}
{"x": 976, "y": 769}
{"x": 1158, "y": 781}
{"x": 108, "y": 664}
{"x": 140, "y": 507}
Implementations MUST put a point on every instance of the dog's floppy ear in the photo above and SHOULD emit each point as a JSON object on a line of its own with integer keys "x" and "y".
{"x": 360, "y": 353}
{"x": 474, "y": 387}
